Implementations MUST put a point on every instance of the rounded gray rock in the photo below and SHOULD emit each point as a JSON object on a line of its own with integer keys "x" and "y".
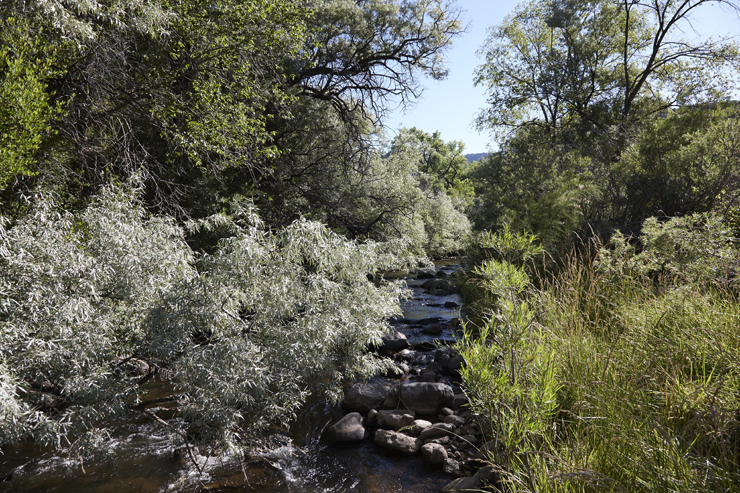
{"x": 434, "y": 453}
{"x": 350, "y": 429}
{"x": 395, "y": 341}
{"x": 364, "y": 397}
{"x": 395, "y": 419}
{"x": 437, "y": 430}
{"x": 425, "y": 397}
{"x": 455, "y": 365}
{"x": 433, "y": 329}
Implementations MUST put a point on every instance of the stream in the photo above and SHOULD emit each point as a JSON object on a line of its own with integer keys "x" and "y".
{"x": 147, "y": 456}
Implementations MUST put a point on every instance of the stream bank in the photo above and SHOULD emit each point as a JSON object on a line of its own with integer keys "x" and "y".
{"x": 148, "y": 458}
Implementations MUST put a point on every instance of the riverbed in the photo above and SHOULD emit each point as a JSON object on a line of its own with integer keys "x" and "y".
{"x": 148, "y": 457}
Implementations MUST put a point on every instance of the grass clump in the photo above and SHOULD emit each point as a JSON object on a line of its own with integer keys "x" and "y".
{"x": 623, "y": 371}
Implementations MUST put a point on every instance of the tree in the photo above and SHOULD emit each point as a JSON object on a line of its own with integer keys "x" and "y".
{"x": 443, "y": 166}
{"x": 25, "y": 106}
{"x": 659, "y": 62}
{"x": 175, "y": 91}
{"x": 599, "y": 63}
{"x": 362, "y": 55}
{"x": 533, "y": 185}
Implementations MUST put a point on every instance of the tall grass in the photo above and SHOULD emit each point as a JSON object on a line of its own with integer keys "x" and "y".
{"x": 622, "y": 383}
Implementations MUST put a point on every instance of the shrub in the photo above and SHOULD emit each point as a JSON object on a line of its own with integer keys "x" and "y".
{"x": 617, "y": 379}
{"x": 245, "y": 333}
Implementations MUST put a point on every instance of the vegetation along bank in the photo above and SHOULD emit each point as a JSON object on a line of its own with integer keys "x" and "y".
{"x": 202, "y": 193}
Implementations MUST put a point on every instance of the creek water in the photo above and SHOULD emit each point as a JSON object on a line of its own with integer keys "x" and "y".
{"x": 147, "y": 457}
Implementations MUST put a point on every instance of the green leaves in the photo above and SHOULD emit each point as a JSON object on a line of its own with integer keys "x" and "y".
{"x": 694, "y": 250}
{"x": 25, "y": 110}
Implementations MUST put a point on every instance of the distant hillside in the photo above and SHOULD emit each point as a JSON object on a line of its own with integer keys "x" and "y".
{"x": 476, "y": 156}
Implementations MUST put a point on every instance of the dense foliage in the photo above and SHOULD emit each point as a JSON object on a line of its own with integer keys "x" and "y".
{"x": 210, "y": 109}
{"x": 618, "y": 372}
{"x": 607, "y": 113}
{"x": 613, "y": 367}
{"x": 245, "y": 333}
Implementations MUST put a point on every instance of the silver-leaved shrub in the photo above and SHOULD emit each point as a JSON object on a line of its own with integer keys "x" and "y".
{"x": 245, "y": 334}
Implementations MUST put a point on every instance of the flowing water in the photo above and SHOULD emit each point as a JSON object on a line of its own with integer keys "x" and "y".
{"x": 149, "y": 458}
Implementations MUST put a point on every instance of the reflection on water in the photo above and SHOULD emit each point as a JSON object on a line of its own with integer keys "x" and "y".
{"x": 146, "y": 460}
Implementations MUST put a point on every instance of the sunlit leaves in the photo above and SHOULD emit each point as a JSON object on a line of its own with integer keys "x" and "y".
{"x": 246, "y": 333}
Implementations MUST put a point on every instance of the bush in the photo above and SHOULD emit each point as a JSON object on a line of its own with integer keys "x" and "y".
{"x": 618, "y": 379}
{"x": 245, "y": 333}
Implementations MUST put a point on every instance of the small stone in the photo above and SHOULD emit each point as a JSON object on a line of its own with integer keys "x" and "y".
{"x": 436, "y": 430}
{"x": 470, "y": 439}
{"x": 438, "y": 440}
{"x": 418, "y": 426}
{"x": 446, "y": 411}
{"x": 434, "y": 329}
{"x": 425, "y": 346}
{"x": 372, "y": 417}
{"x": 455, "y": 420}
{"x": 459, "y": 400}
{"x": 451, "y": 466}
{"x": 428, "y": 376}
{"x": 451, "y": 304}
{"x": 349, "y": 429}
{"x": 395, "y": 419}
{"x": 455, "y": 365}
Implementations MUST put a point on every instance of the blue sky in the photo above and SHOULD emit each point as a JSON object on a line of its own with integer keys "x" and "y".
{"x": 449, "y": 106}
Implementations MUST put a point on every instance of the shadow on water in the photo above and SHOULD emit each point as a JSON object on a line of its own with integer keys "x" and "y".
{"x": 147, "y": 455}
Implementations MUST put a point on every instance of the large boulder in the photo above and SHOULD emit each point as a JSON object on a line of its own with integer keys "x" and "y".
{"x": 394, "y": 341}
{"x": 398, "y": 441}
{"x": 349, "y": 429}
{"x": 363, "y": 397}
{"x": 425, "y": 397}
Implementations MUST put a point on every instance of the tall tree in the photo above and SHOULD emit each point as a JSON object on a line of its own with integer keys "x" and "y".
{"x": 361, "y": 55}
{"x": 600, "y": 62}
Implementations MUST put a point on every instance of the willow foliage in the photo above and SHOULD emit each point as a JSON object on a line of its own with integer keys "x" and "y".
{"x": 245, "y": 333}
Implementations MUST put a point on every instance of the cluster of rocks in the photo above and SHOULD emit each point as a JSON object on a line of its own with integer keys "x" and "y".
{"x": 425, "y": 418}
